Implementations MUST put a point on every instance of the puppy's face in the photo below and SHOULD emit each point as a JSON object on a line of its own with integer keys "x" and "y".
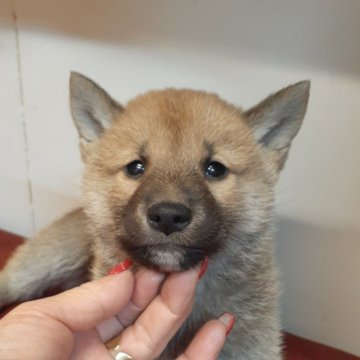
{"x": 177, "y": 173}
{"x": 171, "y": 174}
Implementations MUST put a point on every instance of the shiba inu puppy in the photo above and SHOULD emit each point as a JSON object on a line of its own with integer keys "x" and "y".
{"x": 173, "y": 177}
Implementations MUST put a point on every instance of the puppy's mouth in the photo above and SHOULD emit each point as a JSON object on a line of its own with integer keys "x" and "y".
{"x": 167, "y": 257}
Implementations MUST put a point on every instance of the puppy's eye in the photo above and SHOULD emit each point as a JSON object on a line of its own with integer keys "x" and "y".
{"x": 135, "y": 168}
{"x": 214, "y": 169}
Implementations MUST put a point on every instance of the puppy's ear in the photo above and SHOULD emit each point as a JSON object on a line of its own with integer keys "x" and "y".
{"x": 278, "y": 118}
{"x": 92, "y": 109}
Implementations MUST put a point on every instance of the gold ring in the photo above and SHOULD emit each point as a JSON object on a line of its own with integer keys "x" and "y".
{"x": 117, "y": 354}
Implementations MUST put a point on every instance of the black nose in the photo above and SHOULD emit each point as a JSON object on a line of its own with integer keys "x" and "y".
{"x": 169, "y": 217}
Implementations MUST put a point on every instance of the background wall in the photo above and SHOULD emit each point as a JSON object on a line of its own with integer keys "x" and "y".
{"x": 241, "y": 49}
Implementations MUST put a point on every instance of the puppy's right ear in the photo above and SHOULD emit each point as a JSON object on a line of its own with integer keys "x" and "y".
{"x": 277, "y": 119}
{"x": 92, "y": 109}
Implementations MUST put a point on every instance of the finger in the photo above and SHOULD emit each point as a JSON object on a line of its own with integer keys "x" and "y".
{"x": 88, "y": 346}
{"x": 207, "y": 343}
{"x": 157, "y": 325}
{"x": 84, "y": 307}
{"x": 147, "y": 284}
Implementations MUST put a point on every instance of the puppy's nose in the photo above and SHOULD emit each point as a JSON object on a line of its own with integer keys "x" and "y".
{"x": 169, "y": 217}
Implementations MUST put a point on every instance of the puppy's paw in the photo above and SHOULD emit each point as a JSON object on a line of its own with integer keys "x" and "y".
{"x": 5, "y": 293}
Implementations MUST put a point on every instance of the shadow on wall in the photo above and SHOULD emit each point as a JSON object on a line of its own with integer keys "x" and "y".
{"x": 321, "y": 272}
{"x": 321, "y": 34}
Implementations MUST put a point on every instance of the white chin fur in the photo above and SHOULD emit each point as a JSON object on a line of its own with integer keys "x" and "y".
{"x": 167, "y": 260}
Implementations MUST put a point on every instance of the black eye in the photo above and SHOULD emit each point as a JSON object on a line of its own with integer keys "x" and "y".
{"x": 214, "y": 169}
{"x": 135, "y": 168}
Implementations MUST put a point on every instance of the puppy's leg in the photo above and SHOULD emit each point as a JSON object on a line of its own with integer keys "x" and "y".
{"x": 57, "y": 256}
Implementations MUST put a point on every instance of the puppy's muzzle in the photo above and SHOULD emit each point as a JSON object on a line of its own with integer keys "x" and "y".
{"x": 168, "y": 217}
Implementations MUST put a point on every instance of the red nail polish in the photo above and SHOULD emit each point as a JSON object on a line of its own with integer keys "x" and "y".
{"x": 228, "y": 320}
{"x": 204, "y": 266}
{"x": 119, "y": 268}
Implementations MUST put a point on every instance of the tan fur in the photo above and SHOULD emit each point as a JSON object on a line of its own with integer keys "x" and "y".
{"x": 176, "y": 133}
{"x": 182, "y": 125}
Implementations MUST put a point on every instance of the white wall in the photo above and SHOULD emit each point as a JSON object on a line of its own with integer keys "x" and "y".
{"x": 241, "y": 49}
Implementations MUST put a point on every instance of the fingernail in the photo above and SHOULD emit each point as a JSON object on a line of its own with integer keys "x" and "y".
{"x": 204, "y": 266}
{"x": 228, "y": 320}
{"x": 119, "y": 268}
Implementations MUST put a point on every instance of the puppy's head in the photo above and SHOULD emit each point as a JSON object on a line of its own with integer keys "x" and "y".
{"x": 174, "y": 175}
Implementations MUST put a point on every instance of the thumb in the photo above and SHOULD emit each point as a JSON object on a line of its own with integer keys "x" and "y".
{"x": 86, "y": 306}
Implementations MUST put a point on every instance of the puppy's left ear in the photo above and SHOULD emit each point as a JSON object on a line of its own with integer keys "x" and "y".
{"x": 92, "y": 109}
{"x": 278, "y": 118}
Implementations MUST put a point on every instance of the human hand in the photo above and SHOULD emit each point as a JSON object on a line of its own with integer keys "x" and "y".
{"x": 75, "y": 324}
